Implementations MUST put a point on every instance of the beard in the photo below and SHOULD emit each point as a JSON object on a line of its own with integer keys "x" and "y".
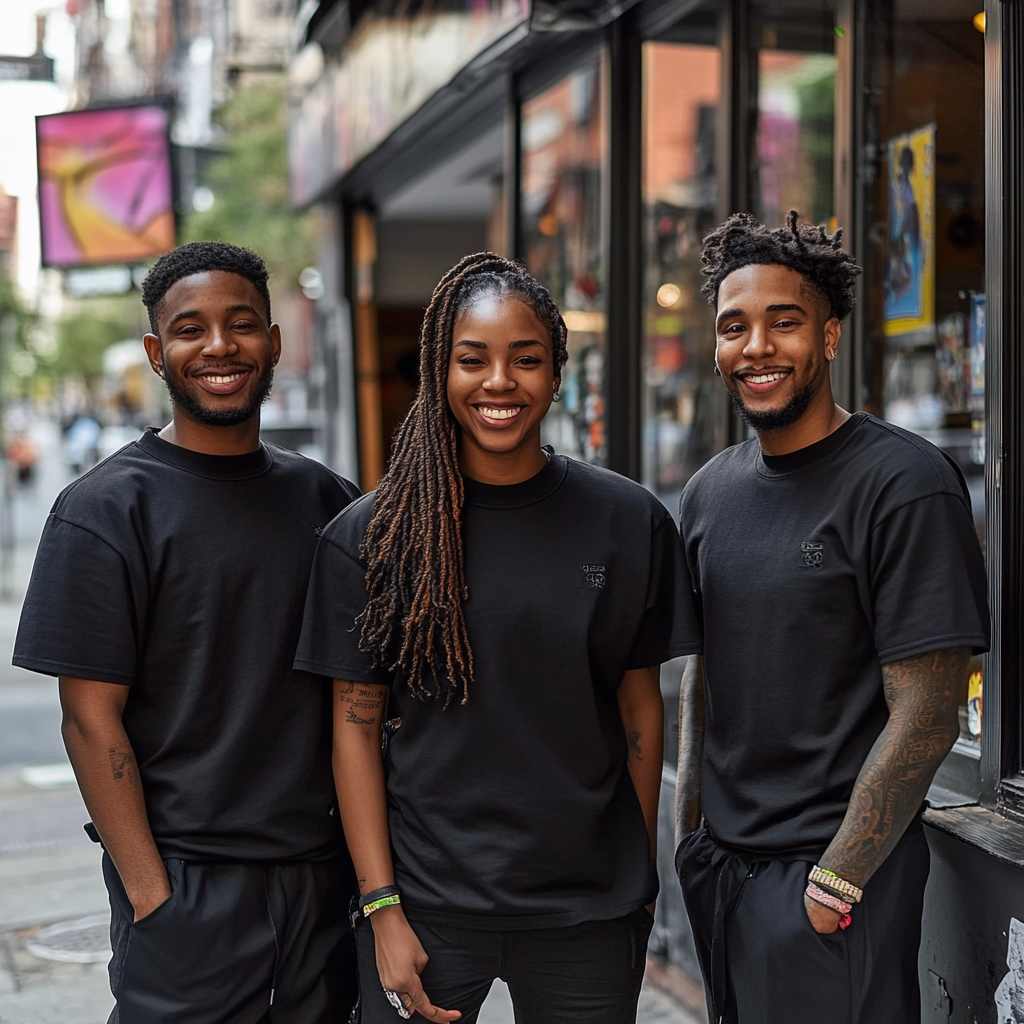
{"x": 778, "y": 419}
{"x": 186, "y": 400}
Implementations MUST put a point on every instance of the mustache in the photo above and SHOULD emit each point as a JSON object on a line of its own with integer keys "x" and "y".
{"x": 204, "y": 368}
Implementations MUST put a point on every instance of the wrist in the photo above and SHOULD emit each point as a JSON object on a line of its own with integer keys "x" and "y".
{"x": 388, "y": 918}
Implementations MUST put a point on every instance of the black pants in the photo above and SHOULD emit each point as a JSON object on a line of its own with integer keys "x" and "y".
{"x": 762, "y": 961}
{"x": 235, "y": 944}
{"x": 584, "y": 974}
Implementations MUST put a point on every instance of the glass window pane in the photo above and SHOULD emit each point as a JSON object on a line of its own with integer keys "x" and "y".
{"x": 684, "y": 405}
{"x": 795, "y": 127}
{"x": 924, "y": 301}
{"x": 564, "y": 147}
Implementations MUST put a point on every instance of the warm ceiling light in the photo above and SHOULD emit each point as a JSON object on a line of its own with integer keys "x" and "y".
{"x": 979, "y": 21}
{"x": 668, "y": 295}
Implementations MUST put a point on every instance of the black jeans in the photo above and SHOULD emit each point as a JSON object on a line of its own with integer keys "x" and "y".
{"x": 585, "y": 974}
{"x": 235, "y": 944}
{"x": 762, "y": 961}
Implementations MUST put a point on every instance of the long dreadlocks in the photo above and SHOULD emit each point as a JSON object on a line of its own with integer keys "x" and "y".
{"x": 413, "y": 621}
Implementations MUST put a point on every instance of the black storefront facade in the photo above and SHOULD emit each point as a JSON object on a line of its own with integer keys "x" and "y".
{"x": 598, "y": 142}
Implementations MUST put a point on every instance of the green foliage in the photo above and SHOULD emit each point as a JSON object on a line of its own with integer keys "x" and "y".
{"x": 250, "y": 187}
{"x": 17, "y": 323}
{"x": 86, "y": 333}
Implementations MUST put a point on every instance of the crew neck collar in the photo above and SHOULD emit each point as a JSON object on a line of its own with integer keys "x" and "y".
{"x": 783, "y": 465}
{"x": 214, "y": 467}
{"x": 528, "y": 492}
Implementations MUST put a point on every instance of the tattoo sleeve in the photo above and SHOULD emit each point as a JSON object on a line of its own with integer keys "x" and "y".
{"x": 923, "y": 694}
{"x": 691, "y": 747}
{"x": 362, "y": 704}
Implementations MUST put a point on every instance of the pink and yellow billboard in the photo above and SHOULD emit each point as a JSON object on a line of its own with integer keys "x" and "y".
{"x": 105, "y": 186}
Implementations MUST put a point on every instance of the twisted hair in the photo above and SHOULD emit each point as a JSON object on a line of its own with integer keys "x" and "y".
{"x": 195, "y": 258}
{"x": 413, "y": 622}
{"x": 808, "y": 249}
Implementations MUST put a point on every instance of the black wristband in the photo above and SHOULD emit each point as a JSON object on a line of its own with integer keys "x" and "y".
{"x": 378, "y": 894}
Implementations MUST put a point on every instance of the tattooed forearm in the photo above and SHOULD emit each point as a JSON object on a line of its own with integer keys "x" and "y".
{"x": 691, "y": 748}
{"x": 923, "y": 694}
{"x": 122, "y": 764}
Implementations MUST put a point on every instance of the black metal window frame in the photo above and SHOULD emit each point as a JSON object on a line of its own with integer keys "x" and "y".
{"x": 1002, "y": 781}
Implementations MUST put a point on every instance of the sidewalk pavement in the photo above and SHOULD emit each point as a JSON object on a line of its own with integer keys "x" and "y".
{"x": 49, "y": 870}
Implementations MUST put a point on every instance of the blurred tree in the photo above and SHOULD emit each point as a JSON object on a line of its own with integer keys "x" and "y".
{"x": 84, "y": 334}
{"x": 17, "y": 323}
{"x": 251, "y": 204}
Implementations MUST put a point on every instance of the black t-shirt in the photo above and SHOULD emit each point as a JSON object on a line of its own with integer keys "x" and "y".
{"x": 516, "y": 810}
{"x": 183, "y": 576}
{"x": 813, "y": 570}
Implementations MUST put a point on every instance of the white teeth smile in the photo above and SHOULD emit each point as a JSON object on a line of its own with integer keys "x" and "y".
{"x": 228, "y": 379}
{"x": 504, "y": 413}
{"x": 765, "y": 378}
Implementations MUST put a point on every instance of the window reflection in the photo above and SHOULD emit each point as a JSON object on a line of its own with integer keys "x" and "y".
{"x": 564, "y": 143}
{"x": 795, "y": 135}
{"x": 684, "y": 424}
{"x": 924, "y": 303}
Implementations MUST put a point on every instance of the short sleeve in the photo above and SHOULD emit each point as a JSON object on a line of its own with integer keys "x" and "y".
{"x": 668, "y": 627}
{"x": 80, "y": 617}
{"x": 928, "y": 582}
{"x": 329, "y": 643}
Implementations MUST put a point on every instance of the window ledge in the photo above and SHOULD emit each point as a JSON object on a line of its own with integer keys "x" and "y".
{"x": 985, "y": 830}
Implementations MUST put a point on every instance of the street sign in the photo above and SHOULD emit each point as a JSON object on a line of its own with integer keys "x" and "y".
{"x": 37, "y": 68}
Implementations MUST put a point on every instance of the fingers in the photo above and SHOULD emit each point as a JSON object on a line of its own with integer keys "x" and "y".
{"x": 416, "y": 1001}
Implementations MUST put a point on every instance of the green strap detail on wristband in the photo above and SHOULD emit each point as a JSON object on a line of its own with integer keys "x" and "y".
{"x": 387, "y": 901}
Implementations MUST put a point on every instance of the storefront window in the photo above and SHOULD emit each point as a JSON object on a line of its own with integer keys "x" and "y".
{"x": 564, "y": 145}
{"x": 684, "y": 420}
{"x": 924, "y": 301}
{"x": 795, "y": 127}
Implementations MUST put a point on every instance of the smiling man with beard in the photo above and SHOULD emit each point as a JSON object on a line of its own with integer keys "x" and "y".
{"x": 842, "y": 591}
{"x": 167, "y": 595}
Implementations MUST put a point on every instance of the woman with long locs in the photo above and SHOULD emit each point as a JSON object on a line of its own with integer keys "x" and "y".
{"x": 504, "y": 610}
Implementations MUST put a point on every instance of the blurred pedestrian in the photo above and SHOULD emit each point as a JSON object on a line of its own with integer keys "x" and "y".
{"x": 82, "y": 443}
{"x": 507, "y": 610}
{"x": 843, "y": 590}
{"x": 20, "y": 451}
{"x": 167, "y": 594}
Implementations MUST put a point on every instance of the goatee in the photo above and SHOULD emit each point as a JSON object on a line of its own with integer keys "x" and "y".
{"x": 198, "y": 413}
{"x": 778, "y": 419}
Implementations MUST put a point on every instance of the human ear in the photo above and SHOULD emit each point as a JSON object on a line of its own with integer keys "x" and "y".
{"x": 833, "y": 332}
{"x": 275, "y": 343}
{"x": 155, "y": 353}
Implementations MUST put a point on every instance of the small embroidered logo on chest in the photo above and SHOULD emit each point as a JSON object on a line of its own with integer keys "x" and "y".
{"x": 593, "y": 577}
{"x": 814, "y": 554}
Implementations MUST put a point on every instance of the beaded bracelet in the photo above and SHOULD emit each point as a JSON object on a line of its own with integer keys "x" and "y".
{"x": 829, "y": 879}
{"x": 386, "y": 896}
{"x": 828, "y": 900}
{"x": 833, "y": 903}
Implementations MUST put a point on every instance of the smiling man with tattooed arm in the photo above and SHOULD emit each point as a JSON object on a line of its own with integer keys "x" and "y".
{"x": 842, "y": 591}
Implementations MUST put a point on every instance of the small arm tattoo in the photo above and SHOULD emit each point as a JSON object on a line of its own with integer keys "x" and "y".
{"x": 122, "y": 764}
{"x": 362, "y": 703}
{"x": 633, "y": 742}
{"x": 923, "y": 693}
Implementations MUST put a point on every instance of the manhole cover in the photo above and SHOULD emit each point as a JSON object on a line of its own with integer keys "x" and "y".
{"x": 85, "y": 940}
